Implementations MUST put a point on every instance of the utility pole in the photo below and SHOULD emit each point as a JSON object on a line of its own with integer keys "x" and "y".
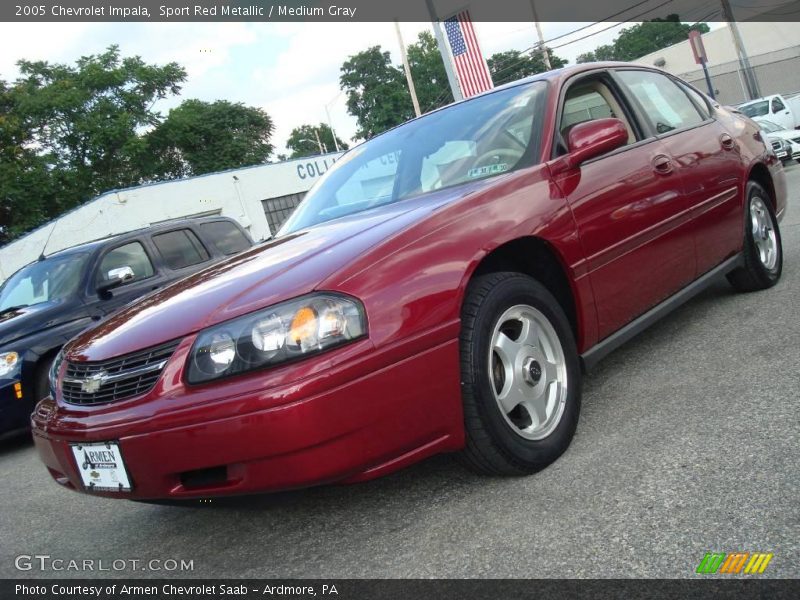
{"x": 407, "y": 69}
{"x": 542, "y": 47}
{"x": 444, "y": 50}
{"x": 322, "y": 149}
{"x": 744, "y": 62}
{"x": 330, "y": 124}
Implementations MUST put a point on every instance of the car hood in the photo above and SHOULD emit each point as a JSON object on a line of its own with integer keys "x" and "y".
{"x": 283, "y": 268}
{"x": 22, "y": 322}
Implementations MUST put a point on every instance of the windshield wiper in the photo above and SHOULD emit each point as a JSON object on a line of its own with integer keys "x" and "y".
{"x": 13, "y": 308}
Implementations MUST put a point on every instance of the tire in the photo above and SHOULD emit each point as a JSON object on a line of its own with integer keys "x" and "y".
{"x": 41, "y": 386}
{"x": 763, "y": 249}
{"x": 515, "y": 442}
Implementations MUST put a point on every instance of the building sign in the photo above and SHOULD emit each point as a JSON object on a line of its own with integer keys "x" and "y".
{"x": 315, "y": 167}
{"x": 699, "y": 51}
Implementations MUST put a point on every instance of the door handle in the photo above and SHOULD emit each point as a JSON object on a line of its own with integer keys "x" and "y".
{"x": 727, "y": 141}
{"x": 662, "y": 164}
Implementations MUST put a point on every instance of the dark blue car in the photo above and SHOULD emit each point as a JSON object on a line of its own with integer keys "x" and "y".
{"x": 46, "y": 303}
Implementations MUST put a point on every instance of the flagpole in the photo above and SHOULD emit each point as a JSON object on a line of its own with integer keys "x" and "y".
{"x": 444, "y": 50}
{"x": 407, "y": 69}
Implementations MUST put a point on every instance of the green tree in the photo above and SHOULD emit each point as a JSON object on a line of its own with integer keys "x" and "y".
{"x": 513, "y": 64}
{"x": 72, "y": 131}
{"x": 651, "y": 36}
{"x": 202, "y": 137}
{"x": 25, "y": 191}
{"x": 601, "y": 53}
{"x": 427, "y": 69}
{"x": 376, "y": 92}
{"x": 641, "y": 39}
{"x": 303, "y": 140}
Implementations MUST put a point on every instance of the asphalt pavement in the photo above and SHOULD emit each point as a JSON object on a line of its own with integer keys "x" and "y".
{"x": 687, "y": 444}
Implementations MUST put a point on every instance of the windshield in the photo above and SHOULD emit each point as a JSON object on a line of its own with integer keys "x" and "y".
{"x": 484, "y": 137}
{"x": 755, "y": 109}
{"x": 44, "y": 281}
{"x": 769, "y": 126}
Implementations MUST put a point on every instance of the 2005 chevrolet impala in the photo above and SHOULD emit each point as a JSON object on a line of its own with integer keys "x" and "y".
{"x": 441, "y": 289}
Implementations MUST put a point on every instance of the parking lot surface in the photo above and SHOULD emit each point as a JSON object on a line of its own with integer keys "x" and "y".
{"x": 688, "y": 443}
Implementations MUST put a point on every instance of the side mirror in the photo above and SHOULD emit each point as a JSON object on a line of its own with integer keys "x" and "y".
{"x": 116, "y": 277}
{"x": 593, "y": 138}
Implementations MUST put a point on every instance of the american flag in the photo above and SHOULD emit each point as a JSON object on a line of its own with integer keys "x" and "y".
{"x": 473, "y": 73}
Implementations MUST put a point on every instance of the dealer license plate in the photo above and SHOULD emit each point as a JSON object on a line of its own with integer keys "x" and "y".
{"x": 781, "y": 154}
{"x": 101, "y": 467}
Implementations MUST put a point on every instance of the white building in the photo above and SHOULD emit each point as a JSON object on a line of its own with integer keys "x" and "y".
{"x": 773, "y": 49}
{"x": 260, "y": 198}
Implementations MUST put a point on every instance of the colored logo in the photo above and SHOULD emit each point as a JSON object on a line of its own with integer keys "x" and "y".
{"x": 734, "y": 562}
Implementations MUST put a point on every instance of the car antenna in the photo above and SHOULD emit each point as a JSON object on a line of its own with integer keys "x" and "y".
{"x": 47, "y": 241}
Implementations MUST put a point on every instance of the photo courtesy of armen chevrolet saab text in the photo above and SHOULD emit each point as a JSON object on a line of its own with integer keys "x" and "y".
{"x": 442, "y": 288}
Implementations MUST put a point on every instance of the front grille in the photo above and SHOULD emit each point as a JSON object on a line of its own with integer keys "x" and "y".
{"x": 115, "y": 379}
{"x": 776, "y": 145}
{"x": 796, "y": 140}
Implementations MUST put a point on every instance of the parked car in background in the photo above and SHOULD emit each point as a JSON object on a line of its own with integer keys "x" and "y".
{"x": 785, "y": 142}
{"x": 782, "y": 110}
{"x": 441, "y": 289}
{"x": 46, "y": 303}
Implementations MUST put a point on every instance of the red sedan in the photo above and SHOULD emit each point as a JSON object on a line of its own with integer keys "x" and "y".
{"x": 442, "y": 289}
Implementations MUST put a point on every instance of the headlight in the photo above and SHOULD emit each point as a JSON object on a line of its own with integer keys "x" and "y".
{"x": 280, "y": 333}
{"x": 8, "y": 363}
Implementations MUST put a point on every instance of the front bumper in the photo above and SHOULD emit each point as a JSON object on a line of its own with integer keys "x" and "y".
{"x": 15, "y": 413}
{"x": 370, "y": 425}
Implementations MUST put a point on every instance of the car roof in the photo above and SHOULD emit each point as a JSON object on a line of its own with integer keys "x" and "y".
{"x": 165, "y": 226}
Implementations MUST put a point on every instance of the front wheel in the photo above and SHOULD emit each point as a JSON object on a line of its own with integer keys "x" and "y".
{"x": 521, "y": 381}
{"x": 763, "y": 250}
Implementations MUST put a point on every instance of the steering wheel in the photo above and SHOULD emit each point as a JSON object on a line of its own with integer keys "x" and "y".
{"x": 498, "y": 155}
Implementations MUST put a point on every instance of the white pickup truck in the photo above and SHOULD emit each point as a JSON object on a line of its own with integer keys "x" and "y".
{"x": 782, "y": 110}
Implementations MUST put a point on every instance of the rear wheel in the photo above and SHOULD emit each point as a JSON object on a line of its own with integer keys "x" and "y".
{"x": 763, "y": 251}
{"x": 520, "y": 376}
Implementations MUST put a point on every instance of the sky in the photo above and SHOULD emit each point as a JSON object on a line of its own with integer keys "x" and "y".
{"x": 291, "y": 70}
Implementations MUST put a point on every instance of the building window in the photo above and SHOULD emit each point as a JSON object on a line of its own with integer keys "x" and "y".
{"x": 277, "y": 210}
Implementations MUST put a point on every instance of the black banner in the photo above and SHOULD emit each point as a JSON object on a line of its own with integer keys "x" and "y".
{"x": 378, "y": 589}
{"x": 388, "y": 10}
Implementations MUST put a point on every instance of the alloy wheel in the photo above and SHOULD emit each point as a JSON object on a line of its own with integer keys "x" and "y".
{"x": 528, "y": 372}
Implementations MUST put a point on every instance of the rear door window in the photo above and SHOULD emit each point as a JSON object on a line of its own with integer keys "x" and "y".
{"x": 225, "y": 236}
{"x": 131, "y": 255}
{"x": 180, "y": 248}
{"x": 664, "y": 104}
{"x": 699, "y": 100}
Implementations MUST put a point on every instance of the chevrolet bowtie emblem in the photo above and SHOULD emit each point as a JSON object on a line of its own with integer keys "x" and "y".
{"x": 92, "y": 384}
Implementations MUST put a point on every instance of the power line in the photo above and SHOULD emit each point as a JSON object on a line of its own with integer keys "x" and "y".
{"x": 584, "y": 27}
{"x": 514, "y": 62}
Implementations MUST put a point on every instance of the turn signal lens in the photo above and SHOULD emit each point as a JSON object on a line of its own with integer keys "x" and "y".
{"x": 303, "y": 331}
